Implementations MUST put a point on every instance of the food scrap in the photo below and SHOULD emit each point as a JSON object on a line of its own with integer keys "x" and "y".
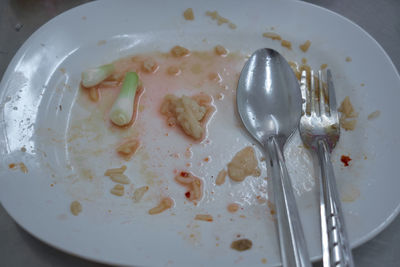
{"x": 190, "y": 113}
{"x": 179, "y": 51}
{"x": 204, "y": 217}
{"x": 75, "y": 207}
{"x": 243, "y": 164}
{"x": 374, "y": 115}
{"x": 21, "y": 166}
{"x": 220, "y": 20}
{"x": 118, "y": 190}
{"x": 117, "y": 175}
{"x": 166, "y": 203}
{"x": 139, "y": 193}
{"x": 128, "y": 148}
{"x": 221, "y": 177}
{"x": 233, "y": 207}
{"x": 188, "y": 14}
{"x": 348, "y": 59}
{"x": 272, "y": 35}
{"x": 345, "y": 159}
{"x": 348, "y": 118}
{"x": 304, "y": 47}
{"x": 242, "y": 244}
{"x": 220, "y": 50}
{"x": 287, "y": 44}
{"x": 193, "y": 185}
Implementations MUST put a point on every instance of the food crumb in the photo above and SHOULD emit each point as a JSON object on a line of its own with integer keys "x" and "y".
{"x": 348, "y": 118}
{"x": 94, "y": 94}
{"x": 173, "y": 70}
{"x": 220, "y": 50}
{"x": 139, "y": 193}
{"x": 243, "y": 164}
{"x": 345, "y": 159}
{"x": 128, "y": 148}
{"x": 179, "y": 51}
{"x": 101, "y": 42}
{"x": 221, "y": 177}
{"x": 303, "y": 61}
{"x": 165, "y": 203}
{"x": 348, "y": 59}
{"x": 374, "y": 115}
{"x": 272, "y": 35}
{"x": 242, "y": 244}
{"x": 188, "y": 14}
{"x": 287, "y": 44}
{"x": 21, "y": 166}
{"x": 75, "y": 207}
{"x": 323, "y": 66}
{"x": 304, "y": 47}
{"x": 220, "y": 20}
{"x": 264, "y": 261}
{"x": 118, "y": 190}
{"x": 193, "y": 185}
{"x": 233, "y": 207}
{"x": 204, "y": 217}
{"x": 23, "y": 149}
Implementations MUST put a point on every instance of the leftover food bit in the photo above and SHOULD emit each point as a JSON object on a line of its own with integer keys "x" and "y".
{"x": 173, "y": 70}
{"x": 348, "y": 118}
{"x": 190, "y": 113}
{"x": 241, "y": 244}
{"x": 220, "y": 50}
{"x": 221, "y": 177}
{"x": 204, "y": 217}
{"x": 188, "y": 14}
{"x": 75, "y": 207}
{"x": 166, "y": 203}
{"x": 374, "y": 115}
{"x": 348, "y": 59}
{"x": 23, "y": 149}
{"x": 94, "y": 76}
{"x": 149, "y": 65}
{"x": 323, "y": 66}
{"x": 287, "y": 44}
{"x": 139, "y": 193}
{"x": 243, "y": 164}
{"x": 345, "y": 159}
{"x": 271, "y": 206}
{"x": 179, "y": 51}
{"x": 304, "y": 47}
{"x": 117, "y": 175}
{"x": 21, "y": 166}
{"x": 128, "y": 148}
{"x": 220, "y": 20}
{"x": 233, "y": 207}
{"x": 122, "y": 110}
{"x": 193, "y": 185}
{"x": 118, "y": 190}
{"x": 272, "y": 35}
{"x": 94, "y": 94}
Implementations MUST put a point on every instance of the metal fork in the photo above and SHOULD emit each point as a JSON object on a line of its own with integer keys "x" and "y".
{"x": 320, "y": 131}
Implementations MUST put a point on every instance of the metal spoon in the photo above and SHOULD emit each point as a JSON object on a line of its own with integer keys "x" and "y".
{"x": 269, "y": 104}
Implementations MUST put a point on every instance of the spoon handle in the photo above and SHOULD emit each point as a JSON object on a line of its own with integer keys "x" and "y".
{"x": 291, "y": 237}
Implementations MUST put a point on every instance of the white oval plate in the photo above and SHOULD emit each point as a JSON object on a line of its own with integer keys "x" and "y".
{"x": 111, "y": 229}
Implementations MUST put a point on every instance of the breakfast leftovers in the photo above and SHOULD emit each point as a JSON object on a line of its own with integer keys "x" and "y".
{"x": 190, "y": 113}
{"x": 221, "y": 177}
{"x": 242, "y": 244}
{"x": 220, "y": 50}
{"x": 233, "y": 207}
{"x": 128, "y": 148}
{"x": 188, "y": 14}
{"x": 272, "y": 35}
{"x": 75, "y": 207}
{"x": 287, "y": 44}
{"x": 193, "y": 185}
{"x": 139, "y": 193}
{"x": 304, "y": 47}
{"x": 204, "y": 217}
{"x": 220, "y": 20}
{"x": 348, "y": 118}
{"x": 374, "y": 115}
{"x": 118, "y": 190}
{"x": 243, "y": 164}
{"x": 179, "y": 51}
{"x": 345, "y": 159}
{"x": 165, "y": 203}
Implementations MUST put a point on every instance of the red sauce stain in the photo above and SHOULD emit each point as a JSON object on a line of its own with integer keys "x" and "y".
{"x": 345, "y": 160}
{"x": 187, "y": 194}
{"x": 185, "y": 174}
{"x": 11, "y": 166}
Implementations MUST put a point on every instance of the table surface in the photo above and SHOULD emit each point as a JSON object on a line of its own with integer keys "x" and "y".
{"x": 20, "y": 18}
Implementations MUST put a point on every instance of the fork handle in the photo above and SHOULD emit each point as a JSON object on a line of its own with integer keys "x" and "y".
{"x": 293, "y": 245}
{"x": 335, "y": 242}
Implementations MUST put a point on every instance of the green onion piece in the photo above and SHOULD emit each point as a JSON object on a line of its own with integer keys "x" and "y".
{"x": 122, "y": 110}
{"x": 94, "y": 76}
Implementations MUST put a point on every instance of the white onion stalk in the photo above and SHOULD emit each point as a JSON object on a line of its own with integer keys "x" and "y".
{"x": 122, "y": 111}
{"x": 94, "y": 76}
